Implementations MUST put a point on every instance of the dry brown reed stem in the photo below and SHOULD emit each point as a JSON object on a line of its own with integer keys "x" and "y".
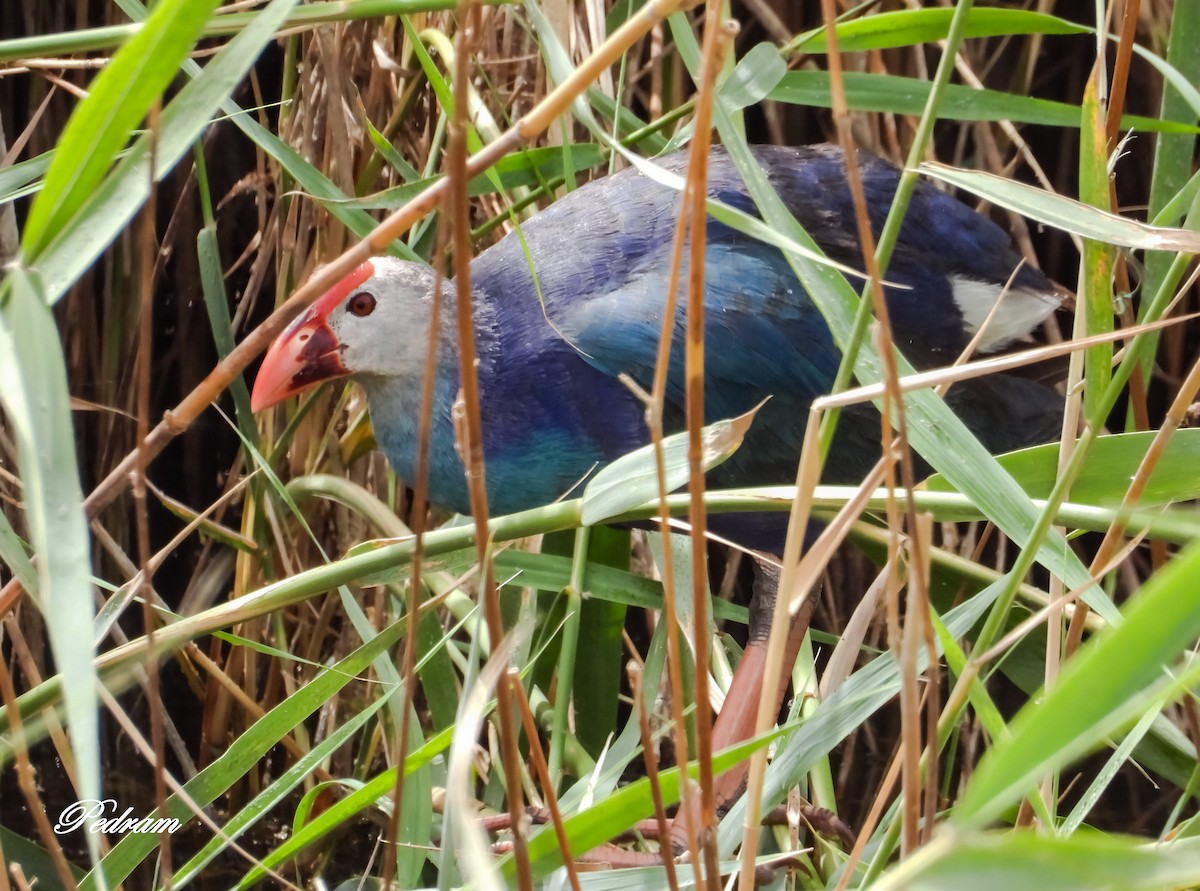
{"x": 892, "y": 416}
{"x": 468, "y": 432}
{"x": 1120, "y": 76}
{"x": 654, "y": 424}
{"x": 943, "y": 377}
{"x": 419, "y": 512}
{"x": 634, "y": 670}
{"x": 794, "y": 586}
{"x": 177, "y": 420}
{"x": 1116, "y": 106}
{"x": 144, "y": 363}
{"x": 878, "y": 806}
{"x": 693, "y": 215}
{"x": 796, "y": 583}
{"x": 27, "y": 781}
{"x": 21, "y": 656}
{"x": 538, "y": 757}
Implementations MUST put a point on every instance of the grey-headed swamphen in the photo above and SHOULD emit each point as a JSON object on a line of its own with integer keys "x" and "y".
{"x": 550, "y": 351}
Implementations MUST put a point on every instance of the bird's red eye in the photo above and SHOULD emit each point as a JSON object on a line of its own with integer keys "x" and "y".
{"x": 362, "y": 304}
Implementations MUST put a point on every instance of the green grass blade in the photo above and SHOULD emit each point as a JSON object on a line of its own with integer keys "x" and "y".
{"x": 335, "y": 818}
{"x": 1095, "y": 303}
{"x": 37, "y": 866}
{"x": 117, "y": 101}
{"x": 1173, "y": 153}
{"x": 109, "y": 205}
{"x": 757, "y": 73}
{"x": 633, "y": 479}
{"x": 895, "y": 94}
{"x": 864, "y": 693}
{"x": 599, "y": 672}
{"x": 33, "y": 390}
{"x": 888, "y": 30}
{"x": 1111, "y": 463}
{"x": 15, "y": 557}
{"x": 1109, "y": 684}
{"x": 16, "y": 179}
{"x": 1034, "y": 862}
{"x": 246, "y": 751}
{"x": 1065, "y": 213}
{"x": 216, "y": 301}
{"x": 257, "y": 808}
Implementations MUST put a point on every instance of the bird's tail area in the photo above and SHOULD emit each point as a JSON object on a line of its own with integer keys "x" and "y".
{"x": 1008, "y": 411}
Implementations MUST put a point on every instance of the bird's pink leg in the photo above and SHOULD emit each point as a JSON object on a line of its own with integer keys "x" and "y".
{"x": 736, "y": 721}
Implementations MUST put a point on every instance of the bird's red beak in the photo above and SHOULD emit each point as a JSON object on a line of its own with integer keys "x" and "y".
{"x": 307, "y": 352}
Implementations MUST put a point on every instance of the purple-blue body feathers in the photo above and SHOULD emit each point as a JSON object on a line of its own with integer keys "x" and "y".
{"x": 554, "y": 335}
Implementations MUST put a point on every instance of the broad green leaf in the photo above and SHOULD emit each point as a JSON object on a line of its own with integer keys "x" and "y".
{"x": 1094, "y": 307}
{"x": 109, "y": 205}
{"x": 118, "y": 99}
{"x": 1110, "y": 683}
{"x": 756, "y": 75}
{"x": 550, "y": 572}
{"x": 1108, "y": 471}
{"x": 894, "y": 94}
{"x": 1025, "y": 859}
{"x": 600, "y": 655}
{"x": 37, "y": 866}
{"x": 633, "y": 479}
{"x": 1066, "y": 213}
{"x": 909, "y": 27}
{"x": 37, "y": 407}
{"x": 529, "y": 168}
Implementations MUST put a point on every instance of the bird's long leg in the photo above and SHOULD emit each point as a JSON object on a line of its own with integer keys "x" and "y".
{"x": 736, "y": 721}
{"x": 734, "y": 724}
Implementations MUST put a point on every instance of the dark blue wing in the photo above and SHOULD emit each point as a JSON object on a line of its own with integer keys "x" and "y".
{"x": 582, "y": 301}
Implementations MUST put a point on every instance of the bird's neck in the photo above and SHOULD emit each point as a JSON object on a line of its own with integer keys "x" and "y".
{"x": 396, "y": 407}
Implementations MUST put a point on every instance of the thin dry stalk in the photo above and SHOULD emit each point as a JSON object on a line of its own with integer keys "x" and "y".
{"x": 420, "y": 511}
{"x": 648, "y": 758}
{"x": 893, "y": 404}
{"x": 27, "y": 781}
{"x": 538, "y": 757}
{"x": 469, "y": 433}
{"x": 718, "y": 37}
{"x": 695, "y": 185}
{"x": 144, "y": 362}
{"x": 796, "y": 581}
